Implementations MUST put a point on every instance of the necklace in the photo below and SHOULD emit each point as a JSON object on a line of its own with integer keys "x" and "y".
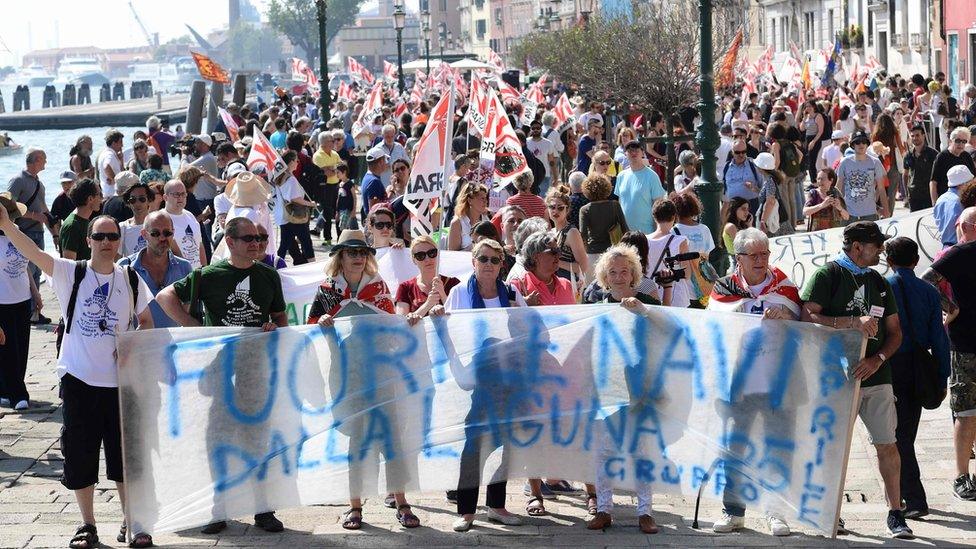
{"x": 103, "y": 323}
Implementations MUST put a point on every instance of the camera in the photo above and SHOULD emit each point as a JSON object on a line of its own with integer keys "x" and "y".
{"x": 672, "y": 261}
{"x": 832, "y": 193}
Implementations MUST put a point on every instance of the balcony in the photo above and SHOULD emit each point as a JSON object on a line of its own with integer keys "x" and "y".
{"x": 918, "y": 41}
{"x": 899, "y": 42}
{"x": 878, "y": 5}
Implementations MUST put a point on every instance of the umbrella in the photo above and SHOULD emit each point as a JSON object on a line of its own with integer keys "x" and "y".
{"x": 419, "y": 64}
{"x": 471, "y": 64}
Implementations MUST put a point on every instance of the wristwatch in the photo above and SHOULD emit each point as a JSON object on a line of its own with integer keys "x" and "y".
{"x": 883, "y": 357}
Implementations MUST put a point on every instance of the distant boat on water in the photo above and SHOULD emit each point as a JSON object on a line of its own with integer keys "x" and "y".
{"x": 35, "y": 76}
{"x": 80, "y": 70}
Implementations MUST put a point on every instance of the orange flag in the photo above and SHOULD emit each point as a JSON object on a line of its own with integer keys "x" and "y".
{"x": 209, "y": 69}
{"x": 725, "y": 78}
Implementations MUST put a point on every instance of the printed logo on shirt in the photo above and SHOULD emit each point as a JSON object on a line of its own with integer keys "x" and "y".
{"x": 859, "y": 184}
{"x": 191, "y": 250}
{"x": 14, "y": 262}
{"x": 141, "y": 244}
{"x": 241, "y": 309}
{"x": 858, "y": 304}
{"x": 95, "y": 309}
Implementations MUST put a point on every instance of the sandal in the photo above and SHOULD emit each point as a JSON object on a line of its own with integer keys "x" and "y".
{"x": 86, "y": 537}
{"x": 390, "y": 501}
{"x": 141, "y": 539}
{"x": 351, "y": 522}
{"x": 408, "y": 519}
{"x": 536, "y": 510}
{"x": 591, "y": 504}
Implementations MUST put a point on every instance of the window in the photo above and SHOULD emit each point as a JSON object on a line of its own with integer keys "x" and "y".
{"x": 479, "y": 4}
{"x": 772, "y": 33}
{"x": 481, "y": 28}
{"x": 498, "y": 16}
{"x": 830, "y": 25}
{"x": 869, "y": 32}
{"x": 443, "y": 5}
{"x": 761, "y": 33}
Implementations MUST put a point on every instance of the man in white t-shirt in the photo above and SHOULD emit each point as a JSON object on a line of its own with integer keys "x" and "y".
{"x": 103, "y": 307}
{"x": 833, "y": 153}
{"x": 186, "y": 228}
{"x": 544, "y": 150}
{"x": 110, "y": 162}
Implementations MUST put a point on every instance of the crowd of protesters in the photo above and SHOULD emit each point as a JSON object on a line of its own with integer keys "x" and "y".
{"x": 178, "y": 231}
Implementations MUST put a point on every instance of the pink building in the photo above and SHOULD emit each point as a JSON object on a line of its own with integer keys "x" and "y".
{"x": 954, "y": 41}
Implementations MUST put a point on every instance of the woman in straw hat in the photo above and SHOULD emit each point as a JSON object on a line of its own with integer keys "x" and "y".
{"x": 354, "y": 287}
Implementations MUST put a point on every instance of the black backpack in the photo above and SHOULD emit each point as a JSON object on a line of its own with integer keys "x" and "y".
{"x": 789, "y": 159}
{"x": 81, "y": 268}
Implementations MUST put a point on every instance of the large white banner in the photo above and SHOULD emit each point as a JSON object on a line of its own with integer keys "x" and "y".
{"x": 799, "y": 255}
{"x": 227, "y": 422}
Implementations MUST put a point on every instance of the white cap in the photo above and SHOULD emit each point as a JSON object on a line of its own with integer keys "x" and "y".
{"x": 959, "y": 175}
{"x": 838, "y": 134}
{"x": 205, "y": 138}
{"x": 765, "y": 161}
{"x": 234, "y": 169}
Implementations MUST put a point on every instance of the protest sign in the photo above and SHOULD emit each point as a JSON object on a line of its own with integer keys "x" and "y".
{"x": 799, "y": 255}
{"x": 372, "y": 109}
{"x": 432, "y": 167}
{"x": 263, "y": 155}
{"x": 227, "y": 422}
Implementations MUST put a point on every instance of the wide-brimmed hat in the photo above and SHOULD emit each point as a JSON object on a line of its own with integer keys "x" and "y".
{"x": 350, "y": 239}
{"x": 248, "y": 189}
{"x": 124, "y": 181}
{"x": 765, "y": 161}
{"x": 958, "y": 175}
{"x": 14, "y": 209}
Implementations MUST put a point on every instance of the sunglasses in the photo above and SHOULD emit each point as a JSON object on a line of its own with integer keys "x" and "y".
{"x": 401, "y": 169}
{"x": 556, "y": 207}
{"x": 134, "y": 199}
{"x": 252, "y": 238}
{"x": 383, "y": 225}
{"x": 155, "y": 234}
{"x": 112, "y": 237}
{"x": 355, "y": 252}
{"x": 604, "y": 162}
{"x": 485, "y": 259}
{"x": 960, "y": 141}
{"x": 429, "y": 254}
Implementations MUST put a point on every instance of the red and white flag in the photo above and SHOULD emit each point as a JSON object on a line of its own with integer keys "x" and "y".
{"x": 432, "y": 166}
{"x": 356, "y": 70}
{"x": 496, "y": 60}
{"x": 507, "y": 92}
{"x": 372, "y": 109}
{"x": 233, "y": 130}
{"x": 843, "y": 100}
{"x": 389, "y": 71}
{"x": 502, "y": 143}
{"x": 479, "y": 105}
{"x": 420, "y": 76}
{"x": 264, "y": 155}
{"x": 564, "y": 113}
{"x": 416, "y": 94}
{"x": 345, "y": 92}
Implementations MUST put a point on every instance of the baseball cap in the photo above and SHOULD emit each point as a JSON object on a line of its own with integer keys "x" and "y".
{"x": 633, "y": 144}
{"x": 860, "y": 137}
{"x": 206, "y": 139}
{"x": 866, "y": 232}
{"x": 234, "y": 169}
{"x": 68, "y": 175}
{"x": 837, "y": 134}
{"x": 959, "y": 175}
{"x": 124, "y": 180}
{"x": 375, "y": 154}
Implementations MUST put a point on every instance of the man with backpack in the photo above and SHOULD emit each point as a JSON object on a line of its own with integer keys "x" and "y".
{"x": 98, "y": 300}
{"x": 847, "y": 293}
{"x": 741, "y": 177}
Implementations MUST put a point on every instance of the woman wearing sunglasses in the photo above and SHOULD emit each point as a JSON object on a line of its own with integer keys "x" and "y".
{"x": 483, "y": 290}
{"x": 416, "y": 297}
{"x": 354, "y": 287}
{"x": 379, "y": 228}
{"x": 573, "y": 262}
{"x": 138, "y": 197}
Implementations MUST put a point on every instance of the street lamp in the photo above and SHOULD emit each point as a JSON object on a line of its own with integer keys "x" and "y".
{"x": 586, "y": 8}
{"x": 324, "y": 93}
{"x": 399, "y": 19}
{"x": 425, "y": 20}
{"x": 708, "y": 189}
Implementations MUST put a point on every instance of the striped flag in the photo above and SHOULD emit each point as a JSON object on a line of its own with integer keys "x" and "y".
{"x": 564, "y": 113}
{"x": 432, "y": 166}
{"x": 389, "y": 71}
{"x": 496, "y": 60}
{"x": 232, "y": 128}
{"x": 345, "y": 91}
{"x": 356, "y": 70}
{"x": 264, "y": 155}
{"x": 372, "y": 109}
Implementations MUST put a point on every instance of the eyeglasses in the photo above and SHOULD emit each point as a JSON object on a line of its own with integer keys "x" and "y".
{"x": 112, "y": 237}
{"x": 429, "y": 254}
{"x": 556, "y": 207}
{"x": 553, "y": 251}
{"x": 252, "y": 238}
{"x": 155, "y": 234}
{"x": 355, "y": 252}
{"x": 134, "y": 199}
{"x": 757, "y": 256}
{"x": 401, "y": 169}
{"x": 738, "y": 153}
{"x": 960, "y": 141}
{"x": 177, "y": 194}
{"x": 383, "y": 225}
{"x": 485, "y": 259}
{"x": 604, "y": 162}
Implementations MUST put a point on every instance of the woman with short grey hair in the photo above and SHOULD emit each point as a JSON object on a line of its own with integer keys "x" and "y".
{"x": 525, "y": 229}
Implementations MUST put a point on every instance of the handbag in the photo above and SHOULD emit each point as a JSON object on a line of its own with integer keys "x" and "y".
{"x": 297, "y": 213}
{"x": 925, "y": 369}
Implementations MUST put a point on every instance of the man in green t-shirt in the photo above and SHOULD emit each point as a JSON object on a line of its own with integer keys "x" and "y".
{"x": 86, "y": 195}
{"x": 235, "y": 292}
{"x": 846, "y": 293}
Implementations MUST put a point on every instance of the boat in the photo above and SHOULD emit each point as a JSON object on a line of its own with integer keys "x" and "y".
{"x": 80, "y": 70}
{"x": 10, "y": 149}
{"x": 36, "y": 76}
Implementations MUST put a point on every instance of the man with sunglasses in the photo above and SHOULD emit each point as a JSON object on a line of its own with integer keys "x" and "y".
{"x": 639, "y": 189}
{"x": 155, "y": 263}
{"x": 952, "y": 156}
{"x": 860, "y": 179}
{"x": 86, "y": 195}
{"x": 741, "y": 176}
{"x": 86, "y": 365}
{"x": 189, "y": 235}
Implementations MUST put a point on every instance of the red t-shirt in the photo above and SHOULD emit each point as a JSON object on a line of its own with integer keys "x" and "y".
{"x": 410, "y": 293}
{"x": 531, "y": 204}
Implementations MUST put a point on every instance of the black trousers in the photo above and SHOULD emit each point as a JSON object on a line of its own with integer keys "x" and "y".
{"x": 15, "y": 323}
{"x": 473, "y": 458}
{"x": 909, "y": 412}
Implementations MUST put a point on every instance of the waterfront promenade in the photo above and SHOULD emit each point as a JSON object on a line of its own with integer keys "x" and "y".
{"x": 132, "y": 112}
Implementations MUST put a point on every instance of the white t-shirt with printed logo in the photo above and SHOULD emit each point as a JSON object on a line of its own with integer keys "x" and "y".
{"x": 132, "y": 239}
{"x": 14, "y": 281}
{"x": 283, "y": 194}
{"x": 542, "y": 148}
{"x": 186, "y": 233}
{"x": 87, "y": 351}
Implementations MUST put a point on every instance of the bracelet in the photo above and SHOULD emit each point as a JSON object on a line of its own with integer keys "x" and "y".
{"x": 833, "y": 322}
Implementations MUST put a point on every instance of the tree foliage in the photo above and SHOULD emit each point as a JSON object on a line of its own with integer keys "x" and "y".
{"x": 650, "y": 59}
{"x": 298, "y": 20}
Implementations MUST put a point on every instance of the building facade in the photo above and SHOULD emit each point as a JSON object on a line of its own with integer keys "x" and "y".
{"x": 373, "y": 39}
{"x": 445, "y": 22}
{"x": 954, "y": 42}
{"x": 896, "y": 32}
{"x": 475, "y": 26}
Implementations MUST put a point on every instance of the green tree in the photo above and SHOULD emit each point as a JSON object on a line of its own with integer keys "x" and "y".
{"x": 297, "y": 19}
{"x": 253, "y": 47}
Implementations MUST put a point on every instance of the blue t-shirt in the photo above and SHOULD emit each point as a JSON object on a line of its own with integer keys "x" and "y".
{"x": 373, "y": 190}
{"x": 583, "y": 160}
{"x": 946, "y": 212}
{"x": 860, "y": 184}
{"x": 736, "y": 176}
{"x": 637, "y": 192}
{"x": 279, "y": 140}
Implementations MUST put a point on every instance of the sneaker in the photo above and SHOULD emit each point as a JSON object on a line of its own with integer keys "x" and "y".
{"x": 562, "y": 488}
{"x": 777, "y": 526}
{"x": 214, "y": 527}
{"x": 915, "y": 514}
{"x": 452, "y": 496}
{"x": 841, "y": 527}
{"x": 963, "y": 488}
{"x": 462, "y": 524}
{"x": 728, "y": 523}
{"x": 4, "y": 403}
{"x": 897, "y": 527}
{"x": 268, "y": 522}
{"x": 22, "y": 405}
{"x": 547, "y": 493}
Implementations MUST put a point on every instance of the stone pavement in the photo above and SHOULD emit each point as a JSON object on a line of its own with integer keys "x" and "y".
{"x": 36, "y": 511}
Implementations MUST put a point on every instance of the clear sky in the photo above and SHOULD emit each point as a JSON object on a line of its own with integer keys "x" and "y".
{"x": 40, "y": 24}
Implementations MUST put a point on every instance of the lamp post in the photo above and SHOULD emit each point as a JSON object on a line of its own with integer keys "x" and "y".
{"x": 399, "y": 19}
{"x": 324, "y": 93}
{"x": 586, "y": 8}
{"x": 425, "y": 19}
{"x": 708, "y": 188}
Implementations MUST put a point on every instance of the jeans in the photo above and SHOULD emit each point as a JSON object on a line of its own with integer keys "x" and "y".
{"x": 909, "y": 412}
{"x": 544, "y": 186}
